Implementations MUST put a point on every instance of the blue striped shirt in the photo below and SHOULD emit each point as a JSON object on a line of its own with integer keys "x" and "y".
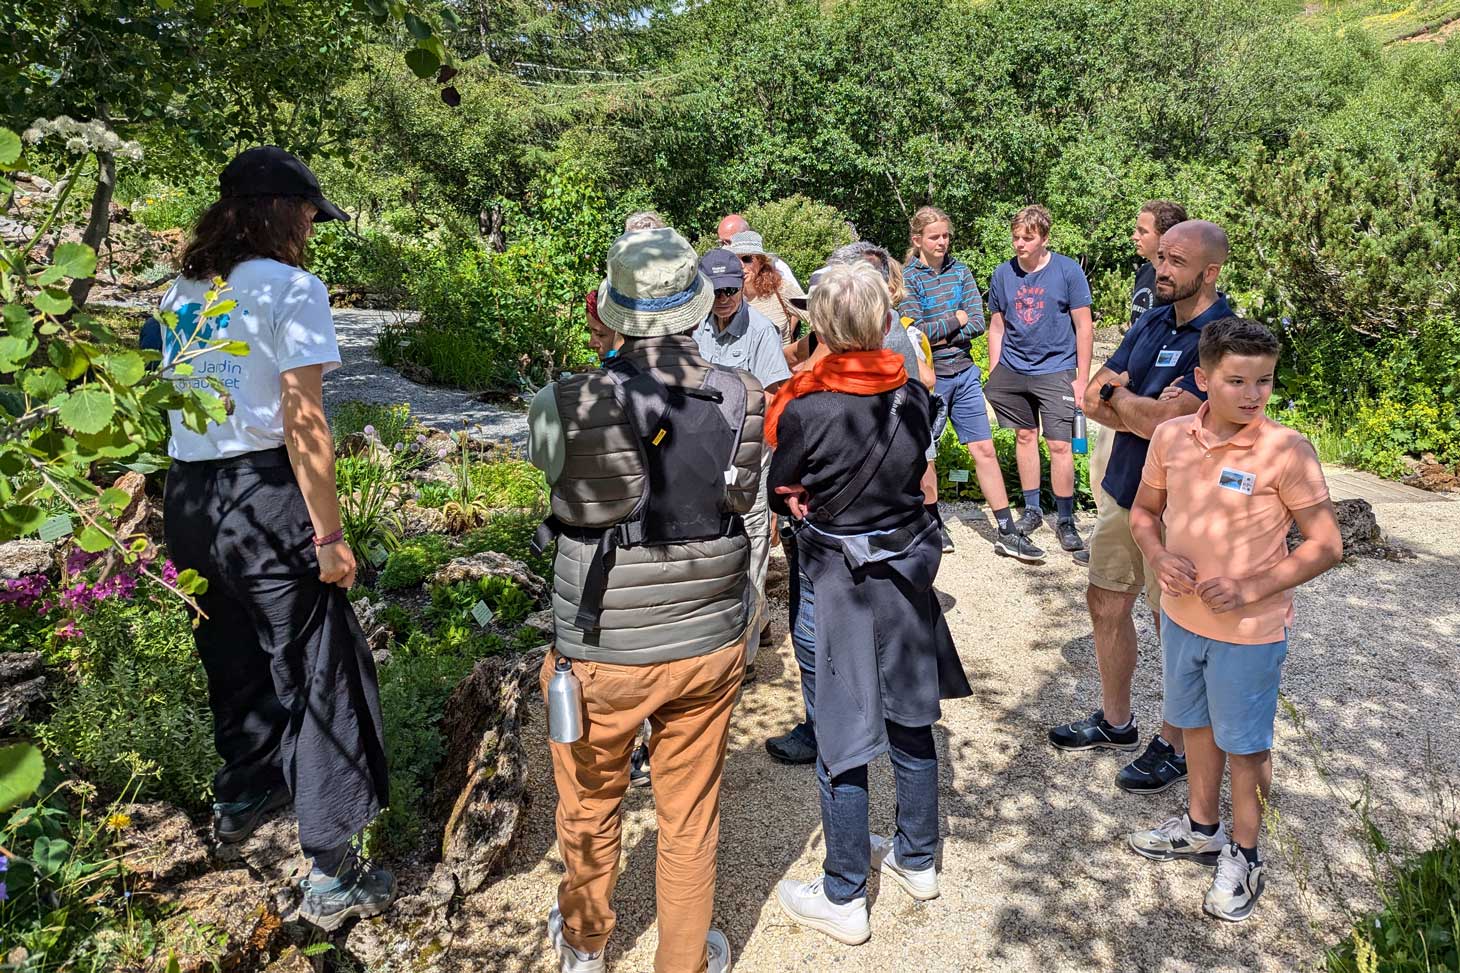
{"x": 934, "y": 298}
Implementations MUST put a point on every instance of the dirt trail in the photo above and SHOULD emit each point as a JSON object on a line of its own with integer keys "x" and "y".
{"x": 1035, "y": 872}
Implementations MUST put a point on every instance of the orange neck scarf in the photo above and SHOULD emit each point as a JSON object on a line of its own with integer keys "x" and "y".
{"x": 853, "y": 372}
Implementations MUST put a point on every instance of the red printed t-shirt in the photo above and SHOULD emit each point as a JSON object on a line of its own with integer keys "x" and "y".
{"x": 1229, "y": 505}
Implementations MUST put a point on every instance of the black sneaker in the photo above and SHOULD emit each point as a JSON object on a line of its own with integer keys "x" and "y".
{"x": 795, "y": 747}
{"x": 1029, "y": 521}
{"x": 947, "y": 540}
{"x": 1017, "y": 546}
{"x": 1069, "y": 538}
{"x": 235, "y": 821}
{"x": 358, "y": 892}
{"x": 639, "y": 766}
{"x": 1153, "y": 771}
{"x": 1094, "y": 733}
{"x": 1082, "y": 556}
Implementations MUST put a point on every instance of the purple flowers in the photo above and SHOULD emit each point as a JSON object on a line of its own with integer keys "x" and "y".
{"x": 24, "y": 592}
{"x": 4, "y": 866}
{"x": 75, "y": 595}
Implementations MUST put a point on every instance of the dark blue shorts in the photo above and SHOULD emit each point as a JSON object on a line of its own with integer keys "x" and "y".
{"x": 966, "y": 408}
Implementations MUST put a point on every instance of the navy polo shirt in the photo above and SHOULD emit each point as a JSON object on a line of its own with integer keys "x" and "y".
{"x": 1156, "y": 352}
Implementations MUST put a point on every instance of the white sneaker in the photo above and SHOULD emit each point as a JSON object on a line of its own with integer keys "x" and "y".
{"x": 1175, "y": 839}
{"x": 921, "y": 884}
{"x": 807, "y": 904}
{"x": 1235, "y": 887}
{"x": 718, "y": 949}
{"x": 570, "y": 959}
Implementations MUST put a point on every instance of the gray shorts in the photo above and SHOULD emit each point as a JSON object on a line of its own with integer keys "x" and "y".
{"x": 1030, "y": 401}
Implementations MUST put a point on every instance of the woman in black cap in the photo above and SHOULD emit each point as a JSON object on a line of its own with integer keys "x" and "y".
{"x": 251, "y": 505}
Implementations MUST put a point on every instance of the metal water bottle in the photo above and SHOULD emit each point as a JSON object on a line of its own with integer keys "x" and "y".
{"x": 1082, "y": 443}
{"x": 565, "y": 704}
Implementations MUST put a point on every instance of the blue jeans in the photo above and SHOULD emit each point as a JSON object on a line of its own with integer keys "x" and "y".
{"x": 803, "y": 641}
{"x": 844, "y": 813}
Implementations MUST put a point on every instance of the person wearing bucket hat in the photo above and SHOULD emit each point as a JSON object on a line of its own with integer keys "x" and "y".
{"x": 767, "y": 290}
{"x": 736, "y": 335}
{"x": 251, "y": 506}
{"x": 653, "y": 461}
{"x": 735, "y": 223}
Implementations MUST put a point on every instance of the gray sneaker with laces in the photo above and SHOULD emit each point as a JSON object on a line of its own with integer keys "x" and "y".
{"x": 1235, "y": 886}
{"x": 1175, "y": 839}
{"x": 1019, "y": 547}
{"x": 359, "y": 891}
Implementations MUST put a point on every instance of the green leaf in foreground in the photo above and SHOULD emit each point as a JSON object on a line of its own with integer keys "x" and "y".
{"x": 74, "y": 259}
{"x": 21, "y": 770}
{"x": 9, "y": 154}
{"x": 423, "y": 63}
{"x": 91, "y": 540}
{"x": 88, "y": 410}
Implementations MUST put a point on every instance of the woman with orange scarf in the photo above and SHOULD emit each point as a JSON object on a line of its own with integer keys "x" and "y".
{"x": 850, "y": 436}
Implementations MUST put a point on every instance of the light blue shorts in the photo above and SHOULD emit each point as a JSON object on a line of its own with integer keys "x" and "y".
{"x": 1231, "y": 688}
{"x": 966, "y": 409}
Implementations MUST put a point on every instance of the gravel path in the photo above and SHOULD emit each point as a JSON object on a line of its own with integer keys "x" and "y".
{"x": 1034, "y": 869}
{"x": 362, "y": 377}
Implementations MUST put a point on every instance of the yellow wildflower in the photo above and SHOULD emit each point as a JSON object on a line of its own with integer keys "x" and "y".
{"x": 119, "y": 821}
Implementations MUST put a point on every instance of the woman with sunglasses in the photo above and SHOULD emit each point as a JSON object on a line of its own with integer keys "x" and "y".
{"x": 767, "y": 290}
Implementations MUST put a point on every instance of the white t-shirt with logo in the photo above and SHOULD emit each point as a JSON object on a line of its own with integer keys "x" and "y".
{"x": 284, "y": 315}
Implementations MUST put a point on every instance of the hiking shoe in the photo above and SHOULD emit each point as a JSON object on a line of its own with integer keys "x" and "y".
{"x": 1029, "y": 521}
{"x": 1093, "y": 733}
{"x": 1082, "y": 556}
{"x": 235, "y": 821}
{"x": 1017, "y": 546}
{"x": 639, "y": 766}
{"x": 1154, "y": 770}
{"x": 1069, "y": 537}
{"x": 921, "y": 884}
{"x": 717, "y": 950}
{"x": 1235, "y": 887}
{"x": 947, "y": 539}
{"x": 569, "y": 959}
{"x": 806, "y": 903}
{"x": 1175, "y": 840}
{"x": 359, "y": 891}
{"x": 795, "y": 747}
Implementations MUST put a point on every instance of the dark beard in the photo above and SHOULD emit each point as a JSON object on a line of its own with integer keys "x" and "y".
{"x": 1178, "y": 293}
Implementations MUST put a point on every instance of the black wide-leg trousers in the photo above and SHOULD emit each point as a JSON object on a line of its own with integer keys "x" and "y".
{"x": 290, "y": 679}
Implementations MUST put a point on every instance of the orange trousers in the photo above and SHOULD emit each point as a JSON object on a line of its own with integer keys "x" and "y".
{"x": 688, "y": 703}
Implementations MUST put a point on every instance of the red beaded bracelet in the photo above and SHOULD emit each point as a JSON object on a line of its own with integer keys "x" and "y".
{"x": 329, "y": 538}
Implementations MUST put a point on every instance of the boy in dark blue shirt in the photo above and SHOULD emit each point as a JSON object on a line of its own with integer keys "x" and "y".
{"x": 1041, "y": 336}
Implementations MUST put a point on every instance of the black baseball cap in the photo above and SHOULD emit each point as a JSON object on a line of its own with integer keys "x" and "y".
{"x": 723, "y": 268}
{"x": 270, "y": 171}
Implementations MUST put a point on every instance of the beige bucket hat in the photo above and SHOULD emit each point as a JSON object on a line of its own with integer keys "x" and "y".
{"x": 746, "y": 243}
{"x": 654, "y": 286}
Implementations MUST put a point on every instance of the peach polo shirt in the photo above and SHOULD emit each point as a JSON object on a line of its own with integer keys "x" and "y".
{"x": 1229, "y": 505}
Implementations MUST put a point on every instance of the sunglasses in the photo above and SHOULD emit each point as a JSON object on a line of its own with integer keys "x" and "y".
{"x": 726, "y": 291}
{"x": 746, "y": 258}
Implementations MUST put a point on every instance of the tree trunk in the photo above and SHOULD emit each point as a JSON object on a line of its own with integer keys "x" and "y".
{"x": 98, "y": 224}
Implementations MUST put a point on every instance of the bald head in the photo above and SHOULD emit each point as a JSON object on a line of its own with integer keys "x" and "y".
{"x": 731, "y": 225}
{"x": 1204, "y": 239}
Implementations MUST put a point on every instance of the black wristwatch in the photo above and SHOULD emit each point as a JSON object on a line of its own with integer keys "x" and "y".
{"x": 1106, "y": 391}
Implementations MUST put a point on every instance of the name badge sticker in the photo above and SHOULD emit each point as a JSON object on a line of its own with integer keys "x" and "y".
{"x": 1237, "y": 480}
{"x": 1167, "y": 358}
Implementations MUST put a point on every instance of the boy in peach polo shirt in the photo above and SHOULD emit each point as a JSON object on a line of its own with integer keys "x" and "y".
{"x": 1227, "y": 482}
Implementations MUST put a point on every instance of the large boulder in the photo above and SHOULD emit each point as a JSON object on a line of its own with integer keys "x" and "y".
{"x": 22, "y": 686}
{"x": 490, "y": 564}
{"x": 481, "y": 787}
{"x": 271, "y": 852}
{"x": 416, "y": 520}
{"x": 1360, "y": 531}
{"x": 231, "y": 903}
{"x": 20, "y": 558}
{"x": 160, "y": 845}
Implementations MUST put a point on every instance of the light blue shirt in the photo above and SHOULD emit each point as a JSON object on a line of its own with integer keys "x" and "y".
{"x": 750, "y": 342}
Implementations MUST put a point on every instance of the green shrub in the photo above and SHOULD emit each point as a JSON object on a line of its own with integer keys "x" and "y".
{"x": 954, "y": 455}
{"x": 369, "y": 260}
{"x": 510, "y": 483}
{"x": 414, "y": 561}
{"x": 392, "y": 423}
{"x": 138, "y": 710}
{"x": 451, "y": 604}
{"x": 510, "y": 532}
{"x": 1418, "y": 929}
{"x": 433, "y": 494}
{"x": 801, "y": 231}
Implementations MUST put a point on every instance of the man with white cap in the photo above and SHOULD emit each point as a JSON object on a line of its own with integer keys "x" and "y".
{"x": 652, "y": 461}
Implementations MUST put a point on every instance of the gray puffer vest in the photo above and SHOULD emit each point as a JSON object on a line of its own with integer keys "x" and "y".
{"x": 660, "y": 603}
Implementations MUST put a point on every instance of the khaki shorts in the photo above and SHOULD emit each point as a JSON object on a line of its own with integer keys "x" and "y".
{"x": 1116, "y": 563}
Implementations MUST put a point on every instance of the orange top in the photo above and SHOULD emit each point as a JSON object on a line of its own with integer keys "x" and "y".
{"x": 1229, "y": 505}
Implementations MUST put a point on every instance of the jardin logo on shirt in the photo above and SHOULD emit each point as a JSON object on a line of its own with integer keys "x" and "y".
{"x": 192, "y": 328}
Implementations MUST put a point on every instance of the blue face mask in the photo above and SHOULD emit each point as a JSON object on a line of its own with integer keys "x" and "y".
{"x": 612, "y": 353}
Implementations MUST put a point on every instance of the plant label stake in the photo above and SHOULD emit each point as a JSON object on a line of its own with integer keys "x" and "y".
{"x": 481, "y": 613}
{"x": 55, "y": 528}
{"x": 958, "y": 478}
{"x": 377, "y": 555}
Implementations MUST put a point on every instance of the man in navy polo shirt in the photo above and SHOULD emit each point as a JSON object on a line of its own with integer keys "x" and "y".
{"x": 1125, "y": 395}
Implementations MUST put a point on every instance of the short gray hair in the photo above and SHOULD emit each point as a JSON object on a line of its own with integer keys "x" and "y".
{"x": 849, "y": 307}
{"x": 864, "y": 251}
{"x": 644, "y": 220}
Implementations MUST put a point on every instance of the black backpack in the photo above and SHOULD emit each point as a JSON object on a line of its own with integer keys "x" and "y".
{"x": 687, "y": 438}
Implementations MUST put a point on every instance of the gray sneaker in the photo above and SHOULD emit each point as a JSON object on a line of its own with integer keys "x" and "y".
{"x": 358, "y": 892}
{"x": 717, "y": 952}
{"x": 1029, "y": 521}
{"x": 1019, "y": 547}
{"x": 1236, "y": 886}
{"x": 1176, "y": 840}
{"x": 235, "y": 821}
